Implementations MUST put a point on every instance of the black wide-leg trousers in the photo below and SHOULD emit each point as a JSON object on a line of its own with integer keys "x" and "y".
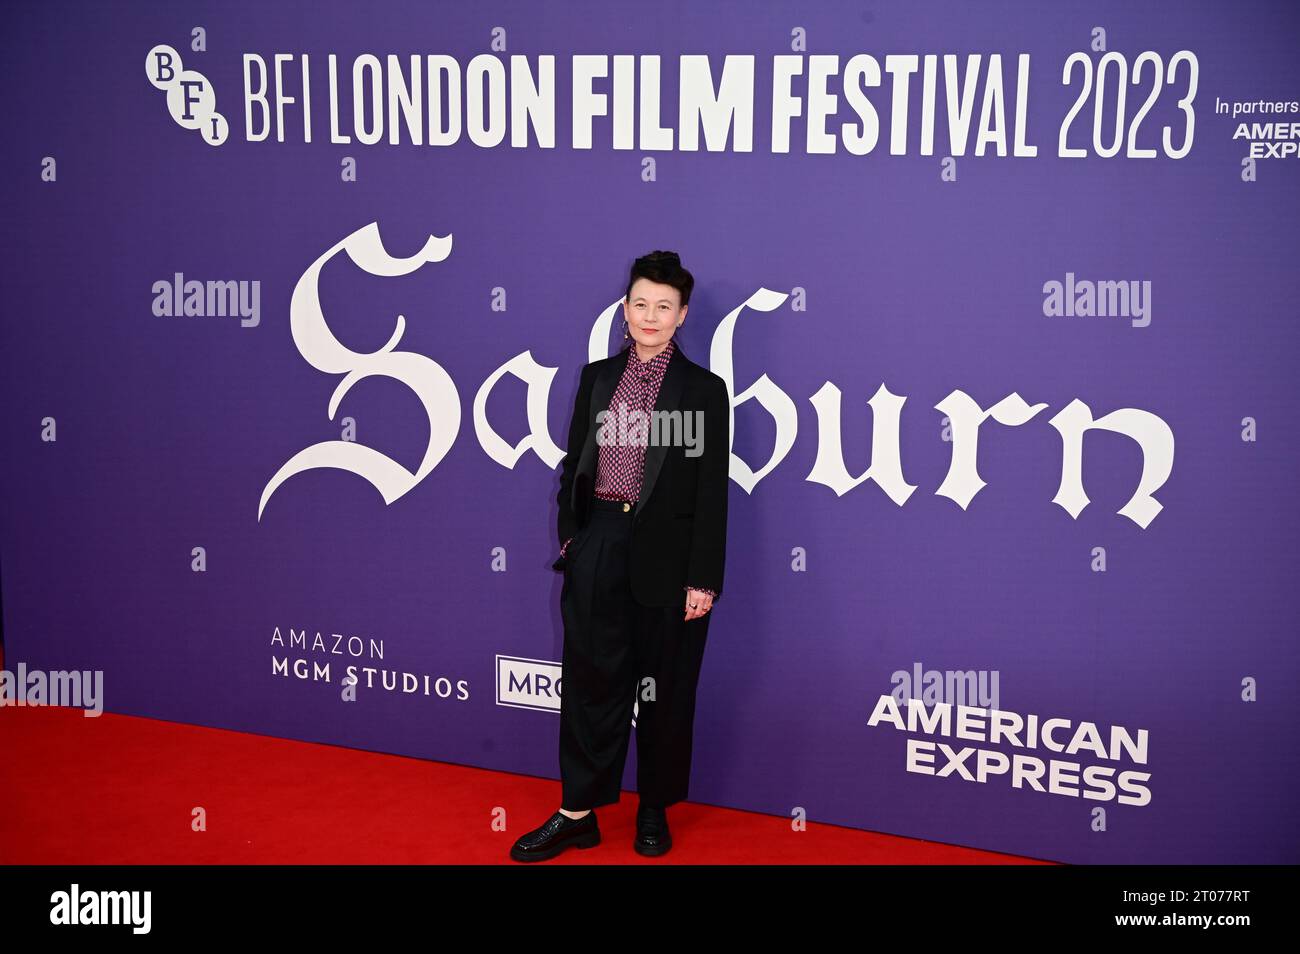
{"x": 617, "y": 654}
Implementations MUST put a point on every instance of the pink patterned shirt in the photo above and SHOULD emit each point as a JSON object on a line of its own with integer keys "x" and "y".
{"x": 620, "y": 465}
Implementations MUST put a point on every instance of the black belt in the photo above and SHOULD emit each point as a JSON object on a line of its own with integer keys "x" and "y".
{"x": 618, "y": 506}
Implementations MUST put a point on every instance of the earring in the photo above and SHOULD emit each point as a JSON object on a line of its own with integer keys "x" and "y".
{"x": 625, "y": 330}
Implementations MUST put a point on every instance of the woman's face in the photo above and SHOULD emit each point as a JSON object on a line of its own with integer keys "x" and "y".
{"x": 652, "y": 312}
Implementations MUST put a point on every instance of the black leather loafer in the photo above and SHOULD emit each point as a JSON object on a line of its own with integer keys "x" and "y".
{"x": 652, "y": 835}
{"x": 559, "y": 832}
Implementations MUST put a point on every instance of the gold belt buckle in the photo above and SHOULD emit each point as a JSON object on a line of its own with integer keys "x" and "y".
{"x": 626, "y": 506}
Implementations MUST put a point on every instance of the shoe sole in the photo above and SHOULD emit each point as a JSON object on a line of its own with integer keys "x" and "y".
{"x": 590, "y": 840}
{"x": 652, "y": 852}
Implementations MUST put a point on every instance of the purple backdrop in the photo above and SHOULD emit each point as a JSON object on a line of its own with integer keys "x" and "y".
{"x": 170, "y": 428}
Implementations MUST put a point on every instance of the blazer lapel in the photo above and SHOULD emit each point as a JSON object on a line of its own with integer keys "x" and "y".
{"x": 602, "y": 392}
{"x": 669, "y": 399}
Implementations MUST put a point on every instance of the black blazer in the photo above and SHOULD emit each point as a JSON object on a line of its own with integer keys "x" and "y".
{"x": 679, "y": 534}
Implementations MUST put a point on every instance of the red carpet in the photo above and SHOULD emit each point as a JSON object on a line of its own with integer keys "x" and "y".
{"x": 123, "y": 790}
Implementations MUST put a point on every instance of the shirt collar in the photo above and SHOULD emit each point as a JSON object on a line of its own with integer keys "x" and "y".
{"x": 655, "y": 364}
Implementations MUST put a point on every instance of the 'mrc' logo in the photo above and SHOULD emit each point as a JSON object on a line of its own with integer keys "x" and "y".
{"x": 528, "y": 683}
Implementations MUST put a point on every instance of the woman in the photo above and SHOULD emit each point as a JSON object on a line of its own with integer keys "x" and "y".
{"x": 642, "y": 527}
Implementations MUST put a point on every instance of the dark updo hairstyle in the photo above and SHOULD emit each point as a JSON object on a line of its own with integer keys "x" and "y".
{"x": 663, "y": 268}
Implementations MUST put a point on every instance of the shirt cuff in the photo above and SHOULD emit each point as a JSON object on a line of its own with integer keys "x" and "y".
{"x": 703, "y": 590}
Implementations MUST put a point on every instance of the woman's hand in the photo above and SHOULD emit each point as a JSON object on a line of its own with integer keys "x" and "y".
{"x": 703, "y": 603}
